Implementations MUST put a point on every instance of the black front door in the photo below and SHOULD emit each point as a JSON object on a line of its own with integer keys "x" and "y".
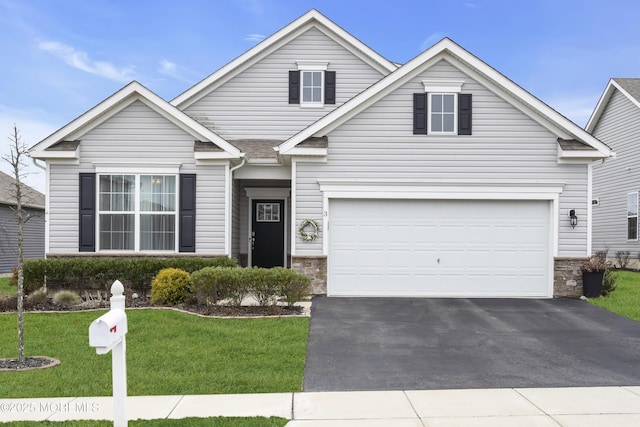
{"x": 267, "y": 234}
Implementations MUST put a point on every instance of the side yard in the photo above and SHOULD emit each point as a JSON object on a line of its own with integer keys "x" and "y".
{"x": 625, "y": 300}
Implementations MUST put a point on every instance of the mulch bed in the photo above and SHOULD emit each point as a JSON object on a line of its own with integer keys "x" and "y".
{"x": 30, "y": 363}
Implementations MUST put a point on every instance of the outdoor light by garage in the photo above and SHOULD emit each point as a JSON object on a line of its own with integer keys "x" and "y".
{"x": 573, "y": 219}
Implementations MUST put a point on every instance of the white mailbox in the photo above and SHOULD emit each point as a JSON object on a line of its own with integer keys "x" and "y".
{"x": 107, "y": 330}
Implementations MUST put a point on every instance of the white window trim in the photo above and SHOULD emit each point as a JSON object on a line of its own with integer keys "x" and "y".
{"x": 442, "y": 87}
{"x": 430, "y": 131}
{"x": 312, "y": 66}
{"x": 137, "y": 212}
{"x": 632, "y": 216}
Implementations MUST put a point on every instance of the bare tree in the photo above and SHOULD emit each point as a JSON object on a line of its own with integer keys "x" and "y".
{"x": 15, "y": 158}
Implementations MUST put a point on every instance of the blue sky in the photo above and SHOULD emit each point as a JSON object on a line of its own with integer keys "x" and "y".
{"x": 62, "y": 57}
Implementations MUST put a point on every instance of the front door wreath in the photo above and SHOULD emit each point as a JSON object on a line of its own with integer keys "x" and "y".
{"x": 308, "y": 230}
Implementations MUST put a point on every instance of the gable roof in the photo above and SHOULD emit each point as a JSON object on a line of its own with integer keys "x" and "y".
{"x": 471, "y": 65}
{"x": 311, "y": 19}
{"x": 628, "y": 87}
{"x": 61, "y": 143}
{"x": 31, "y": 197}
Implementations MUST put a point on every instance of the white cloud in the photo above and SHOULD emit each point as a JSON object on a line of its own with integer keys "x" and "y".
{"x": 175, "y": 71}
{"x": 430, "y": 41}
{"x": 80, "y": 60}
{"x": 254, "y": 37}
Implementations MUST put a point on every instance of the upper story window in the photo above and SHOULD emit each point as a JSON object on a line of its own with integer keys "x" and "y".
{"x": 442, "y": 109}
{"x": 312, "y": 85}
{"x": 632, "y": 216}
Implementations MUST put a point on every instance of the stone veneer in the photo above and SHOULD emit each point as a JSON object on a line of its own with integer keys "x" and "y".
{"x": 315, "y": 267}
{"x": 567, "y": 277}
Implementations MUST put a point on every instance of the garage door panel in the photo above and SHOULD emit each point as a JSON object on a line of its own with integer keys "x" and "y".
{"x": 439, "y": 248}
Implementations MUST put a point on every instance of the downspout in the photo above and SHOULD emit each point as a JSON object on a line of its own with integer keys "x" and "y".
{"x": 243, "y": 161}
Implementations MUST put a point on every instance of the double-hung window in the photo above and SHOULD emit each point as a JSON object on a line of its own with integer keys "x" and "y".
{"x": 442, "y": 109}
{"x": 312, "y": 85}
{"x": 632, "y": 216}
{"x": 137, "y": 212}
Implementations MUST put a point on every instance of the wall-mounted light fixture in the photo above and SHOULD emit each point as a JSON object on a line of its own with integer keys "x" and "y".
{"x": 573, "y": 219}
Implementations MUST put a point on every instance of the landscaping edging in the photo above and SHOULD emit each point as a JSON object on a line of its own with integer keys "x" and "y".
{"x": 37, "y": 362}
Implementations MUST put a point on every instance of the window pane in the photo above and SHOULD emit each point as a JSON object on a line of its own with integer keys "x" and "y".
{"x": 447, "y": 123}
{"x": 116, "y": 231}
{"x": 632, "y": 228}
{"x": 116, "y": 193}
{"x": 317, "y": 94}
{"x": 448, "y": 103}
{"x": 157, "y": 232}
{"x": 157, "y": 193}
{"x": 317, "y": 79}
{"x": 632, "y": 204}
{"x": 306, "y": 94}
{"x": 436, "y": 122}
{"x": 436, "y": 103}
{"x": 306, "y": 78}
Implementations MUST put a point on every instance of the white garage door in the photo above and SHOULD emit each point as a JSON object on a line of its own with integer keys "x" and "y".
{"x": 441, "y": 248}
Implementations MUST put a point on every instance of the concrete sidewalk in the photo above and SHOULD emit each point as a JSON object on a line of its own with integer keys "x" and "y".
{"x": 580, "y": 406}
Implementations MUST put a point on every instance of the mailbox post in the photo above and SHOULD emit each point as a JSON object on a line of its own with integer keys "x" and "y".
{"x": 107, "y": 333}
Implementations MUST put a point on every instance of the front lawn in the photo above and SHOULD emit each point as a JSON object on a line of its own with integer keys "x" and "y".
{"x": 625, "y": 300}
{"x": 184, "y": 422}
{"x": 5, "y": 288}
{"x": 167, "y": 353}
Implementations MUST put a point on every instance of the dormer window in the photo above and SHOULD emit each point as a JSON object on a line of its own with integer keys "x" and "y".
{"x": 312, "y": 85}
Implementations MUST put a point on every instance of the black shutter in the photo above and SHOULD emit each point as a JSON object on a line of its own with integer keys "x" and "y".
{"x": 187, "y": 213}
{"x": 419, "y": 113}
{"x": 464, "y": 114}
{"x": 87, "y": 218}
{"x": 329, "y": 87}
{"x": 294, "y": 87}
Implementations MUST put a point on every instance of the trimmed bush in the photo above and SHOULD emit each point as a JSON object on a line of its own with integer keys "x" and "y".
{"x": 66, "y": 298}
{"x": 100, "y": 272}
{"x": 294, "y": 287}
{"x": 170, "y": 287}
{"x": 213, "y": 284}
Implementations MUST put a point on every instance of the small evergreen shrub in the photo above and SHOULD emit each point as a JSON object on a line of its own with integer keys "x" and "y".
{"x": 294, "y": 287}
{"x": 623, "y": 258}
{"x": 66, "y": 298}
{"x": 264, "y": 285}
{"x": 213, "y": 284}
{"x": 170, "y": 287}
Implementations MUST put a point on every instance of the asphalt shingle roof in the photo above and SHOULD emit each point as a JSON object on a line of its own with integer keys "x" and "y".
{"x": 632, "y": 86}
{"x": 30, "y": 197}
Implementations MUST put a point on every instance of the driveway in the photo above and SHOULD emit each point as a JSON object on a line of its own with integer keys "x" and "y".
{"x": 409, "y": 344}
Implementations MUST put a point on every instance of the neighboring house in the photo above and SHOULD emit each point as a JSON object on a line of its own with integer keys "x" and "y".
{"x": 616, "y": 182}
{"x": 440, "y": 177}
{"x": 33, "y": 237}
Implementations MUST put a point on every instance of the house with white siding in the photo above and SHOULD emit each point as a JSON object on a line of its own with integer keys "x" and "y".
{"x": 440, "y": 177}
{"x": 616, "y": 182}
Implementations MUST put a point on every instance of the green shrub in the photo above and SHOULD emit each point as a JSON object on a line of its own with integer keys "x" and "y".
{"x": 212, "y": 284}
{"x": 263, "y": 284}
{"x": 66, "y": 298}
{"x": 98, "y": 272}
{"x": 294, "y": 287}
{"x": 170, "y": 286}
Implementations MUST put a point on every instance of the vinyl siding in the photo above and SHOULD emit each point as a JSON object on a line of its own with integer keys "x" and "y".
{"x": 378, "y": 144}
{"x": 254, "y": 104}
{"x": 618, "y": 127}
{"x": 33, "y": 237}
{"x": 139, "y": 136}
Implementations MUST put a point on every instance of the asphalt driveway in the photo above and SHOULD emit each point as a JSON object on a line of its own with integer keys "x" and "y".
{"x": 409, "y": 344}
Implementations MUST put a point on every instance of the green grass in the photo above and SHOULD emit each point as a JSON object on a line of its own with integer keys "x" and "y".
{"x": 625, "y": 300}
{"x": 167, "y": 353}
{"x": 5, "y": 288}
{"x": 184, "y": 422}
